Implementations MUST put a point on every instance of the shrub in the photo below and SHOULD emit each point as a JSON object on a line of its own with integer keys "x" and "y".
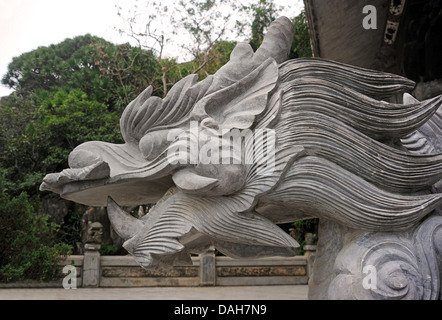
{"x": 27, "y": 241}
{"x": 301, "y": 228}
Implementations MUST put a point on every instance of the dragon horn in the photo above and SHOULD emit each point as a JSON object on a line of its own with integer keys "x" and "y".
{"x": 277, "y": 41}
{"x": 124, "y": 224}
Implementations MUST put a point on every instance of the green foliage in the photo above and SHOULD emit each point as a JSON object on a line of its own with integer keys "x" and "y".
{"x": 218, "y": 56}
{"x": 108, "y": 249}
{"x": 106, "y": 73}
{"x": 301, "y": 228}
{"x": 70, "y": 118}
{"x": 307, "y": 225}
{"x": 57, "y": 65}
{"x": 41, "y": 144}
{"x": 77, "y": 97}
{"x": 27, "y": 241}
{"x": 125, "y": 71}
{"x": 70, "y": 230}
{"x": 264, "y": 13}
{"x": 301, "y": 46}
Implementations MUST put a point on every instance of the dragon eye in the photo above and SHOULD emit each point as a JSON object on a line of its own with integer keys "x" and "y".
{"x": 80, "y": 158}
{"x": 152, "y": 144}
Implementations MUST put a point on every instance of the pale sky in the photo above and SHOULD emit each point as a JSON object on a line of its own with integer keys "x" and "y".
{"x": 26, "y": 25}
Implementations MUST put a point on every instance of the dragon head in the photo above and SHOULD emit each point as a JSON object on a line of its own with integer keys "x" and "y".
{"x": 175, "y": 152}
{"x": 226, "y": 158}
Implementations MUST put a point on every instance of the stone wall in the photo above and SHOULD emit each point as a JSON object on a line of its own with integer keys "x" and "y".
{"x": 207, "y": 270}
{"x": 93, "y": 270}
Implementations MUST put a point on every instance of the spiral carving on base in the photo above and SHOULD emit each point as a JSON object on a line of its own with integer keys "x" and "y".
{"x": 402, "y": 265}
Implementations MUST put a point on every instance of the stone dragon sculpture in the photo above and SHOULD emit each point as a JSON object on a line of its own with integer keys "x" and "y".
{"x": 305, "y": 138}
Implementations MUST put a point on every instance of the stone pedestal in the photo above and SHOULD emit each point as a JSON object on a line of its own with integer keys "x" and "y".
{"x": 207, "y": 268}
{"x": 91, "y": 265}
{"x": 310, "y": 253}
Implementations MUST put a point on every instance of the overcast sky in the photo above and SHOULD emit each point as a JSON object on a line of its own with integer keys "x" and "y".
{"x": 26, "y": 25}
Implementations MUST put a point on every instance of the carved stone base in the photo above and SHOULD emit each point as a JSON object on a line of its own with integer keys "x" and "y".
{"x": 378, "y": 265}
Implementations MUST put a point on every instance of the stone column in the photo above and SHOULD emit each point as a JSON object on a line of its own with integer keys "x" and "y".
{"x": 208, "y": 268}
{"x": 310, "y": 248}
{"x": 91, "y": 265}
{"x": 310, "y": 254}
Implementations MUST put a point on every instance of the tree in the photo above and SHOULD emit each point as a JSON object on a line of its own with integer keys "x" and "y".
{"x": 150, "y": 37}
{"x": 301, "y": 46}
{"x": 207, "y": 22}
{"x": 27, "y": 241}
{"x": 219, "y": 56}
{"x": 62, "y": 120}
{"x": 68, "y": 62}
{"x": 264, "y": 13}
{"x": 191, "y": 29}
{"x": 130, "y": 70}
{"x": 108, "y": 73}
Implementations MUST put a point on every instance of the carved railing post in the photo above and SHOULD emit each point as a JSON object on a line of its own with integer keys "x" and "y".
{"x": 208, "y": 268}
{"x": 91, "y": 265}
{"x": 310, "y": 254}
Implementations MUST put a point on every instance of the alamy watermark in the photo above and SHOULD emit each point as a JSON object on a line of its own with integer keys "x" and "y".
{"x": 370, "y": 20}
{"x": 369, "y": 282}
{"x": 70, "y": 281}
{"x": 202, "y": 145}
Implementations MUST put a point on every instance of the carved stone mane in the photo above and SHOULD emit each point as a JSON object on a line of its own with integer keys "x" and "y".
{"x": 266, "y": 141}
